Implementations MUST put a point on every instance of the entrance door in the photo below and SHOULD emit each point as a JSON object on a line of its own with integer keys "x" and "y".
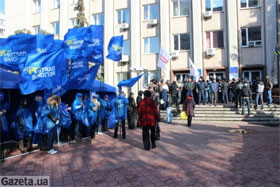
{"x": 252, "y": 75}
{"x": 181, "y": 76}
{"x": 217, "y": 75}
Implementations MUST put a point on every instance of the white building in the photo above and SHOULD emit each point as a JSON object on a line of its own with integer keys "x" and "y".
{"x": 224, "y": 38}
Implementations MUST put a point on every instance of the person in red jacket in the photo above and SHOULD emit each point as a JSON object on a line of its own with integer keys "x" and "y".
{"x": 188, "y": 107}
{"x": 148, "y": 115}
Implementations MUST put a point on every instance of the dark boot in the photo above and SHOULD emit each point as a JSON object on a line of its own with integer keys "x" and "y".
{"x": 21, "y": 146}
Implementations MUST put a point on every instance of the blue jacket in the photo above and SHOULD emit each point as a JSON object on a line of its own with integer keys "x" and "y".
{"x": 5, "y": 126}
{"x": 91, "y": 113}
{"x": 55, "y": 112}
{"x": 201, "y": 85}
{"x": 26, "y": 117}
{"x": 39, "y": 114}
{"x": 214, "y": 87}
{"x": 77, "y": 108}
{"x": 103, "y": 106}
{"x": 119, "y": 105}
{"x": 65, "y": 118}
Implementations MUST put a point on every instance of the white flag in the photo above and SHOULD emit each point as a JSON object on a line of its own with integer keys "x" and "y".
{"x": 193, "y": 70}
{"x": 163, "y": 59}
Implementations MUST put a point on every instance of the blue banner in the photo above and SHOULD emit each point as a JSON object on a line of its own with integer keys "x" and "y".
{"x": 115, "y": 48}
{"x": 129, "y": 82}
{"x": 43, "y": 71}
{"x": 74, "y": 42}
{"x": 93, "y": 45}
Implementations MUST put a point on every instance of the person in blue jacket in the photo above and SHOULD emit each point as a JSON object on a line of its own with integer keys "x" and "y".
{"x": 214, "y": 87}
{"x": 77, "y": 109}
{"x": 120, "y": 109}
{"x": 52, "y": 120}
{"x": 38, "y": 110}
{"x": 91, "y": 112}
{"x": 4, "y": 126}
{"x": 24, "y": 125}
{"x": 103, "y": 112}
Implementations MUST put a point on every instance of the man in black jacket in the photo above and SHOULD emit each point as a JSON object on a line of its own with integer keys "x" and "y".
{"x": 246, "y": 95}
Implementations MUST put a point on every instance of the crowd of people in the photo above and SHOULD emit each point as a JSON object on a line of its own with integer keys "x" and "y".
{"x": 43, "y": 122}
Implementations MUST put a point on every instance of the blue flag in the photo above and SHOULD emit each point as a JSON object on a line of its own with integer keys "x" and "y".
{"x": 115, "y": 48}
{"x": 78, "y": 67}
{"x": 15, "y": 49}
{"x": 74, "y": 42}
{"x": 129, "y": 82}
{"x": 93, "y": 45}
{"x": 82, "y": 82}
{"x": 44, "y": 70}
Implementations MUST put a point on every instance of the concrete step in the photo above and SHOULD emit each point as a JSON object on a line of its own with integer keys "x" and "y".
{"x": 235, "y": 116}
{"x": 230, "y": 118}
{"x": 267, "y": 123}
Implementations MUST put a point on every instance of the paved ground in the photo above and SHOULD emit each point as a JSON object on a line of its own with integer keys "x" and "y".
{"x": 203, "y": 155}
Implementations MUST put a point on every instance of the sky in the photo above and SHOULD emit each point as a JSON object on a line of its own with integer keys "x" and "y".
{"x": 2, "y": 6}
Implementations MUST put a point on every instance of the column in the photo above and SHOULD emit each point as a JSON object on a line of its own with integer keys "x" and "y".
{"x": 164, "y": 34}
{"x": 232, "y": 39}
{"x": 63, "y": 19}
{"x": 109, "y": 73}
{"x": 270, "y": 39}
{"x": 197, "y": 36}
{"x": 135, "y": 39}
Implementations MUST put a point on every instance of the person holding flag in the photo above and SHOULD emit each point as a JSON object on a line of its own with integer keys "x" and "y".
{"x": 24, "y": 125}
{"x": 77, "y": 109}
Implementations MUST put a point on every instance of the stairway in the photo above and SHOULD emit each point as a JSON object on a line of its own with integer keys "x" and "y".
{"x": 228, "y": 113}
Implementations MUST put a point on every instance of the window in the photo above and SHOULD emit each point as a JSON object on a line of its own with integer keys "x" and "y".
{"x": 181, "y": 8}
{"x": 2, "y": 32}
{"x": 151, "y": 45}
{"x": 251, "y": 36}
{"x": 73, "y": 22}
{"x": 123, "y": 16}
{"x": 126, "y": 47}
{"x": 37, "y": 5}
{"x": 252, "y": 75}
{"x": 98, "y": 19}
{"x": 182, "y": 42}
{"x": 214, "y": 5}
{"x": 55, "y": 28}
{"x": 249, "y": 3}
{"x": 148, "y": 76}
{"x": 74, "y": 2}
{"x": 37, "y": 29}
{"x": 56, "y": 3}
{"x": 151, "y": 12}
{"x": 215, "y": 39}
{"x": 123, "y": 76}
{"x": 182, "y": 76}
{"x": 2, "y": 6}
{"x": 1, "y": 23}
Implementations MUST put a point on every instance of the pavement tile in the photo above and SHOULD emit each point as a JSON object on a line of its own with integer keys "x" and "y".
{"x": 203, "y": 155}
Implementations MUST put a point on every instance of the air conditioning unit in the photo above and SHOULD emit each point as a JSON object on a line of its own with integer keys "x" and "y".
{"x": 174, "y": 54}
{"x": 251, "y": 43}
{"x": 125, "y": 26}
{"x": 125, "y": 58}
{"x": 153, "y": 22}
{"x": 258, "y": 43}
{"x": 210, "y": 52}
{"x": 208, "y": 14}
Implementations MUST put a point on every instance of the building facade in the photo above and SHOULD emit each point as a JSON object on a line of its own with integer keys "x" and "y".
{"x": 224, "y": 38}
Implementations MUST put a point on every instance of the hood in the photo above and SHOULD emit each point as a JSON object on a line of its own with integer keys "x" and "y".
{"x": 54, "y": 97}
{"x": 78, "y": 95}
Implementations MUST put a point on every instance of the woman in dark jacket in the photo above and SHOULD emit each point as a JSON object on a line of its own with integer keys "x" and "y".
{"x": 188, "y": 107}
